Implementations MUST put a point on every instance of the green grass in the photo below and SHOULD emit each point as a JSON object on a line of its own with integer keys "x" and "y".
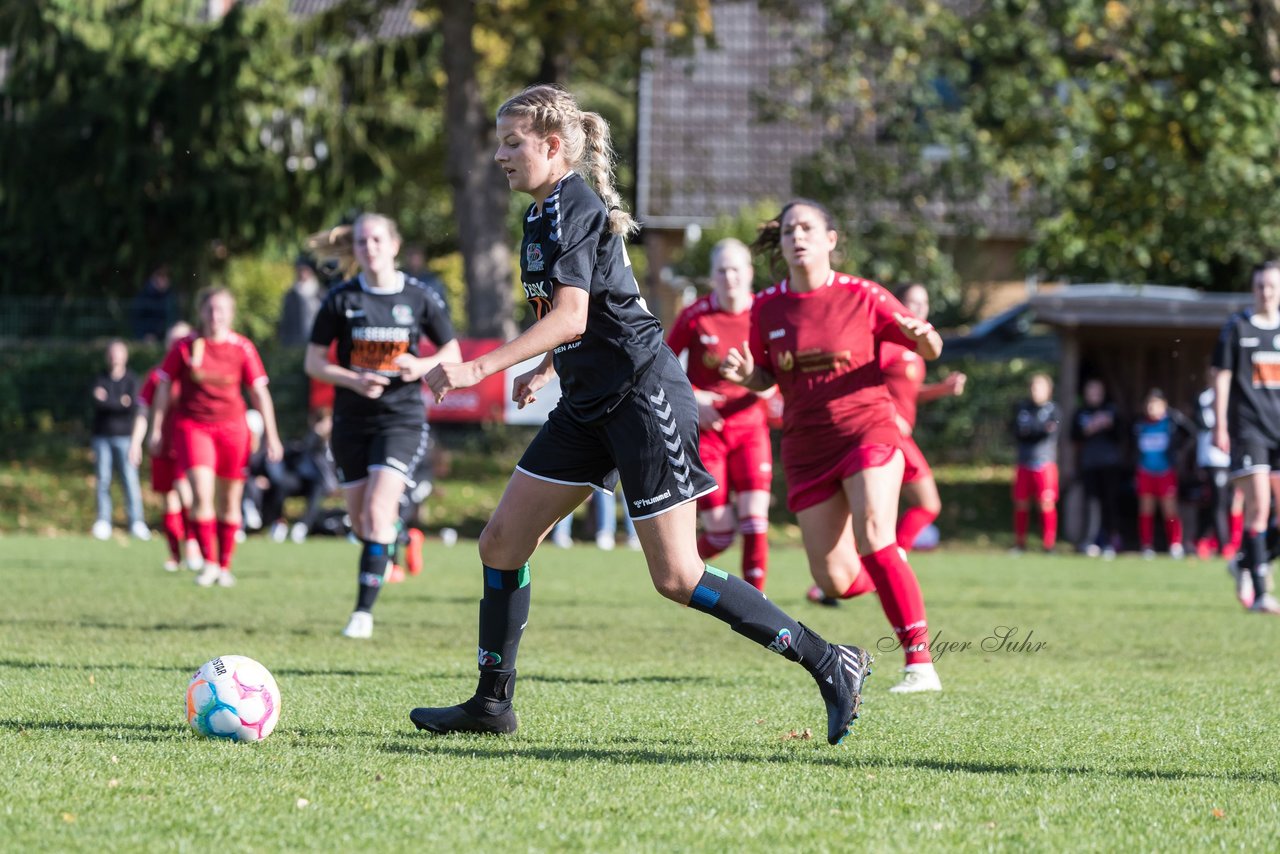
{"x": 1147, "y": 722}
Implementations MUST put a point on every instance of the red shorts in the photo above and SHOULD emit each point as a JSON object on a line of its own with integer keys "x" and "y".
{"x": 1036, "y": 484}
{"x": 802, "y": 495}
{"x": 223, "y": 447}
{"x": 916, "y": 466}
{"x": 1157, "y": 485}
{"x": 739, "y": 458}
{"x": 164, "y": 473}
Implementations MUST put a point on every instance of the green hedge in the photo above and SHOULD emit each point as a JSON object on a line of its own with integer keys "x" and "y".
{"x": 44, "y": 389}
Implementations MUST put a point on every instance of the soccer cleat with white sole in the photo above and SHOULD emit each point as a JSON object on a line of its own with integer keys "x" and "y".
{"x": 101, "y": 530}
{"x": 195, "y": 560}
{"x": 360, "y": 626}
{"x": 917, "y": 678}
{"x": 1177, "y": 551}
{"x": 605, "y": 542}
{"x": 171, "y": 566}
{"x": 140, "y": 531}
{"x": 209, "y": 575}
{"x": 226, "y": 579}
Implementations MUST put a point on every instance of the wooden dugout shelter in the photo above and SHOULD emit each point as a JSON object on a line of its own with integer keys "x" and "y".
{"x": 1134, "y": 338}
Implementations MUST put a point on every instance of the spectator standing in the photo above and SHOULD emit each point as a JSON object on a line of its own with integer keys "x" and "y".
{"x": 1222, "y": 507}
{"x": 301, "y": 303}
{"x": 115, "y": 400}
{"x": 155, "y": 308}
{"x": 1035, "y": 429}
{"x": 1159, "y": 435}
{"x": 1097, "y": 429}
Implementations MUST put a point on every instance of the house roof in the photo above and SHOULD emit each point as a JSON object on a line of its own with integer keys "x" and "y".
{"x": 1136, "y": 306}
{"x": 397, "y": 20}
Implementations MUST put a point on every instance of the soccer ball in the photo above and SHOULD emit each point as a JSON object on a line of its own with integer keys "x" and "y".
{"x": 233, "y": 697}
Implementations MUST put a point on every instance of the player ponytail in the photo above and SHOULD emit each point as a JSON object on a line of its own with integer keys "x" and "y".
{"x": 585, "y": 140}
{"x": 768, "y": 240}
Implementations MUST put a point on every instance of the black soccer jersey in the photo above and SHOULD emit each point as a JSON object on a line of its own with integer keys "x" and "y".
{"x": 569, "y": 245}
{"x": 1252, "y": 354}
{"x": 373, "y": 327}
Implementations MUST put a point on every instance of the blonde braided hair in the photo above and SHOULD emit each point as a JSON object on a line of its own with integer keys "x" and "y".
{"x": 585, "y": 137}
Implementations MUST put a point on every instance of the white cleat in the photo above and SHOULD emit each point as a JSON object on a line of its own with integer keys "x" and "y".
{"x": 171, "y": 566}
{"x": 101, "y": 530}
{"x": 140, "y": 531}
{"x": 634, "y": 544}
{"x": 1265, "y": 604}
{"x": 917, "y": 678}
{"x": 195, "y": 560}
{"x": 209, "y": 575}
{"x": 1177, "y": 552}
{"x": 298, "y": 533}
{"x": 1148, "y": 554}
{"x": 605, "y": 542}
{"x": 360, "y": 626}
{"x": 1244, "y": 583}
{"x": 225, "y": 578}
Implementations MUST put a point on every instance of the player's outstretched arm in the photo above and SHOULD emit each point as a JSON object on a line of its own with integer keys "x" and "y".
{"x": 564, "y": 322}
{"x": 928, "y": 341}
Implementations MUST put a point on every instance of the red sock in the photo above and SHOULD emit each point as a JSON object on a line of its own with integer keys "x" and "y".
{"x": 755, "y": 550}
{"x": 1049, "y": 528}
{"x": 1021, "y": 521}
{"x": 902, "y": 601}
{"x": 1146, "y": 530}
{"x": 711, "y": 543}
{"x": 226, "y": 542}
{"x": 1173, "y": 530}
{"x": 911, "y": 523}
{"x": 207, "y": 537}
{"x": 175, "y": 531}
{"x": 861, "y": 585}
{"x": 1237, "y": 532}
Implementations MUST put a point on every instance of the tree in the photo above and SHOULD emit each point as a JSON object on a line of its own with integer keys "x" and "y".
{"x": 1139, "y": 137}
{"x": 134, "y": 134}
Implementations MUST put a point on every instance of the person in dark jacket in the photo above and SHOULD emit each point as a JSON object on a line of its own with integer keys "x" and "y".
{"x": 1098, "y": 431}
{"x": 114, "y": 395}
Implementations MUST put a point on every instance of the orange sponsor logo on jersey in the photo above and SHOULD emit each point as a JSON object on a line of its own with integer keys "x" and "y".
{"x": 378, "y": 356}
{"x": 1266, "y": 370}
{"x": 812, "y": 361}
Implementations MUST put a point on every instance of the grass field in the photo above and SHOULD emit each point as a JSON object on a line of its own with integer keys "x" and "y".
{"x": 1147, "y": 720}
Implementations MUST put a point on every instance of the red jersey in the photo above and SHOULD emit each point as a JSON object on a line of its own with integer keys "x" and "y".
{"x": 820, "y": 345}
{"x": 903, "y": 371}
{"x": 147, "y": 395}
{"x": 211, "y": 373}
{"x": 707, "y": 332}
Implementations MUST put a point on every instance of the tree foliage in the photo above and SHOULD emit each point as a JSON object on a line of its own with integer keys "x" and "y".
{"x": 1138, "y": 136}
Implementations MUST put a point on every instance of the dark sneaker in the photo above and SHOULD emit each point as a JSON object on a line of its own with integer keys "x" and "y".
{"x": 467, "y": 717}
{"x": 840, "y": 676}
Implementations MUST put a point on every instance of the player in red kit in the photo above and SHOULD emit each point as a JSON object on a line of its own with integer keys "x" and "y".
{"x": 210, "y": 435}
{"x": 733, "y": 435}
{"x": 903, "y": 371}
{"x": 816, "y": 335}
{"x": 166, "y": 478}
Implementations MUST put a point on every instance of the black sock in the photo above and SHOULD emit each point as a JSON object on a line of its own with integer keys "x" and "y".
{"x": 504, "y": 612}
{"x": 727, "y": 597}
{"x": 1254, "y": 560}
{"x": 373, "y": 566}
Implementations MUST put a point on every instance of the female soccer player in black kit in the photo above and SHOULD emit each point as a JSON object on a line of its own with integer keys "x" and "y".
{"x": 626, "y": 410}
{"x": 379, "y": 425}
{"x": 1247, "y": 426}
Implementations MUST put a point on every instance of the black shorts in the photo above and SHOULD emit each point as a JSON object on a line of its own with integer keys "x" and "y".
{"x": 1253, "y": 454}
{"x": 359, "y": 446}
{"x": 650, "y": 441}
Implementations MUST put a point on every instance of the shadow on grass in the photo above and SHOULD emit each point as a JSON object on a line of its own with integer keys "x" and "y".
{"x": 189, "y": 668}
{"x": 486, "y": 747}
